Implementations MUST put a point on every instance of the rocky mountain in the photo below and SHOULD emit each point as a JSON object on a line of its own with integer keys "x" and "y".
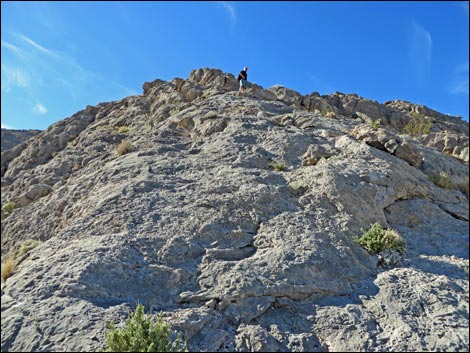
{"x": 11, "y": 138}
{"x": 236, "y": 216}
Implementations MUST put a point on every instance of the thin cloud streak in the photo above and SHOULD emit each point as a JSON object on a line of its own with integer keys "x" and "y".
{"x": 36, "y": 45}
{"x": 19, "y": 52}
{"x": 53, "y": 68}
{"x": 461, "y": 87}
{"x": 320, "y": 85}
{"x": 420, "y": 51}
{"x": 13, "y": 77}
{"x": 230, "y": 10}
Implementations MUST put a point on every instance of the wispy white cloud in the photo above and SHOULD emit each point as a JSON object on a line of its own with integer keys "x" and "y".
{"x": 13, "y": 77}
{"x": 460, "y": 85}
{"x": 40, "y": 109}
{"x": 36, "y": 45}
{"x": 229, "y": 8}
{"x": 420, "y": 51}
{"x": 49, "y": 68}
{"x": 320, "y": 85}
{"x": 19, "y": 52}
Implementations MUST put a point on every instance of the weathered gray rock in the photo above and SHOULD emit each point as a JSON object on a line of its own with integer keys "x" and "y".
{"x": 11, "y": 138}
{"x": 235, "y": 216}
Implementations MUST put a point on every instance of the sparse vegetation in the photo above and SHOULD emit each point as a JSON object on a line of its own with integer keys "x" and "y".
{"x": 418, "y": 125}
{"x": 278, "y": 167}
{"x": 328, "y": 113}
{"x": 124, "y": 147}
{"x": 123, "y": 129}
{"x": 377, "y": 239}
{"x": 374, "y": 124}
{"x": 148, "y": 126}
{"x": 8, "y": 268}
{"x": 8, "y": 207}
{"x": 141, "y": 334}
{"x": 442, "y": 180}
{"x": 311, "y": 161}
{"x": 26, "y": 247}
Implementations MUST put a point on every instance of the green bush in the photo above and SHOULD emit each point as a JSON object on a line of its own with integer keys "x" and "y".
{"x": 8, "y": 207}
{"x": 278, "y": 167}
{"x": 141, "y": 334}
{"x": 377, "y": 239}
{"x": 374, "y": 124}
{"x": 26, "y": 247}
{"x": 442, "y": 180}
{"x": 418, "y": 125}
{"x": 123, "y": 129}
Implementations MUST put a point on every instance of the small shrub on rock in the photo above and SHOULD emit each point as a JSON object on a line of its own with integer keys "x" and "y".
{"x": 418, "y": 125}
{"x": 124, "y": 147}
{"x": 377, "y": 239}
{"x": 141, "y": 334}
{"x": 8, "y": 207}
{"x": 8, "y": 268}
{"x": 374, "y": 124}
{"x": 442, "y": 180}
{"x": 26, "y": 247}
{"x": 278, "y": 167}
{"x": 123, "y": 129}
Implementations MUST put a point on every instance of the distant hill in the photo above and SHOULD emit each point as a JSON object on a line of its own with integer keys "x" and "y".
{"x": 11, "y": 138}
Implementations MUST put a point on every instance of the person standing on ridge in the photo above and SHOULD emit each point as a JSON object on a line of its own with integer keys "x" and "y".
{"x": 243, "y": 79}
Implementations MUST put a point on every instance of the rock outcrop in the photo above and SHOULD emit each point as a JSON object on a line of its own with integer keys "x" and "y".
{"x": 12, "y": 138}
{"x": 235, "y": 216}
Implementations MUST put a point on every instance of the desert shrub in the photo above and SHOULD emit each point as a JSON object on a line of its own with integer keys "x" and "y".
{"x": 8, "y": 207}
{"x": 278, "y": 166}
{"x": 123, "y": 129}
{"x": 8, "y": 268}
{"x": 328, "y": 113}
{"x": 377, "y": 239}
{"x": 442, "y": 180}
{"x": 26, "y": 247}
{"x": 418, "y": 125}
{"x": 124, "y": 147}
{"x": 141, "y": 334}
{"x": 374, "y": 124}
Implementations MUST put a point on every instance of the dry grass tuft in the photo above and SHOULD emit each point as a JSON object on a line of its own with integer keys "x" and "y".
{"x": 8, "y": 268}
{"x": 124, "y": 147}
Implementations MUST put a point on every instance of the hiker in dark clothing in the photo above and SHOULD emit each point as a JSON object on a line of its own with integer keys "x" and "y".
{"x": 243, "y": 79}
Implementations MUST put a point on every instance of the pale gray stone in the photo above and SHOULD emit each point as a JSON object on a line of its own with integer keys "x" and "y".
{"x": 239, "y": 255}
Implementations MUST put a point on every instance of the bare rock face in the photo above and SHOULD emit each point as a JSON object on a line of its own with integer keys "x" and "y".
{"x": 235, "y": 216}
{"x": 12, "y": 138}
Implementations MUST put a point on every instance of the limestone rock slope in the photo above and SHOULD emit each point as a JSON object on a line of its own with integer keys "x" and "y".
{"x": 11, "y": 138}
{"x": 235, "y": 216}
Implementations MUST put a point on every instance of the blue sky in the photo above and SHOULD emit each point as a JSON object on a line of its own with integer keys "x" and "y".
{"x": 59, "y": 57}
